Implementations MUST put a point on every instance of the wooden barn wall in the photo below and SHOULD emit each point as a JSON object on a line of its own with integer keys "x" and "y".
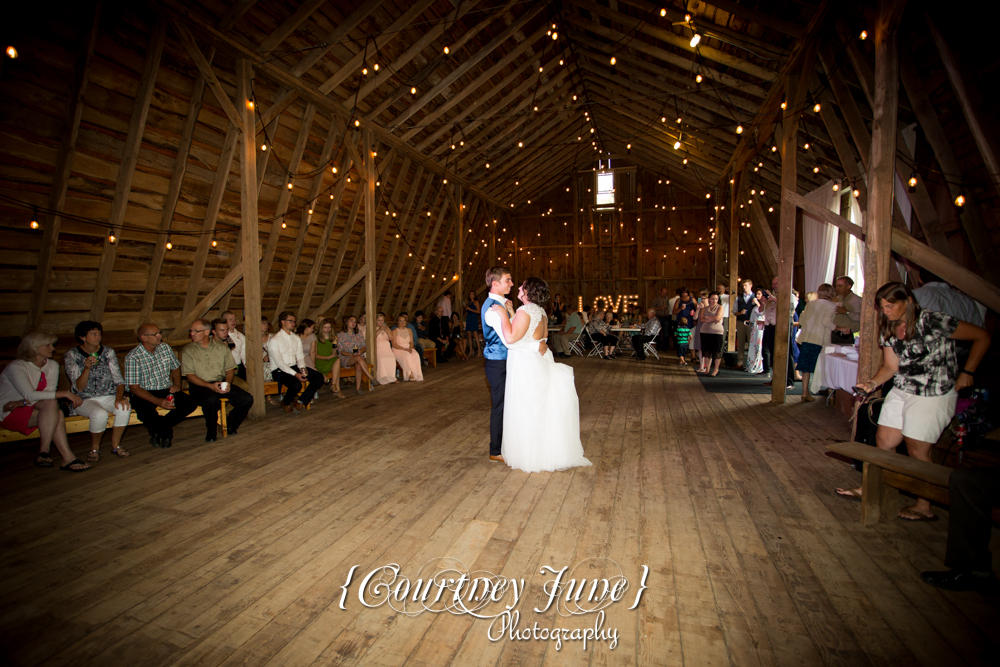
{"x": 312, "y": 255}
{"x": 661, "y": 237}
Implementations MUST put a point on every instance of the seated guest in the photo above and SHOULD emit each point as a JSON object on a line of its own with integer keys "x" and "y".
{"x": 265, "y": 336}
{"x": 458, "y": 337}
{"x": 817, "y": 324}
{"x": 307, "y": 332}
{"x": 422, "y": 335}
{"x": 28, "y": 396}
{"x": 385, "y": 364}
{"x": 973, "y": 494}
{"x": 290, "y": 369}
{"x": 153, "y": 376}
{"x": 650, "y": 330}
{"x": 209, "y": 368}
{"x": 95, "y": 377}
{"x": 327, "y": 359}
{"x": 221, "y": 333}
{"x": 600, "y": 332}
{"x": 440, "y": 333}
{"x": 572, "y": 328}
{"x": 239, "y": 346}
{"x": 351, "y": 345}
{"x": 413, "y": 330}
{"x": 405, "y": 352}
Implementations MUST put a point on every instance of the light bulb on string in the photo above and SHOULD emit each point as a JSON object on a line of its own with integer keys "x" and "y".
{"x": 413, "y": 90}
{"x": 816, "y": 107}
{"x": 698, "y": 78}
{"x": 856, "y": 193}
{"x": 960, "y": 200}
{"x": 613, "y": 60}
{"x": 913, "y": 182}
{"x": 111, "y": 236}
{"x": 169, "y": 246}
{"x": 446, "y": 50}
{"x": 375, "y": 67}
{"x": 864, "y": 35}
{"x": 11, "y": 52}
{"x": 695, "y": 40}
{"x": 263, "y": 147}
{"x": 739, "y": 129}
{"x": 34, "y": 221}
{"x": 836, "y": 186}
{"x": 215, "y": 243}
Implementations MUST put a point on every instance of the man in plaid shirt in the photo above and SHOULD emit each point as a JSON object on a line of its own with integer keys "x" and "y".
{"x": 153, "y": 376}
{"x": 650, "y": 330}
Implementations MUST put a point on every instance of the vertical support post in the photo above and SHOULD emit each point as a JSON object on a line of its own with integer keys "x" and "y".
{"x": 734, "y": 259}
{"x": 576, "y": 236}
{"x": 250, "y": 239}
{"x": 878, "y": 234}
{"x": 639, "y": 287}
{"x": 371, "y": 252}
{"x": 459, "y": 246}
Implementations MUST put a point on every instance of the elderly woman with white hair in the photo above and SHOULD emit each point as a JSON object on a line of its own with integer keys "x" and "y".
{"x": 28, "y": 393}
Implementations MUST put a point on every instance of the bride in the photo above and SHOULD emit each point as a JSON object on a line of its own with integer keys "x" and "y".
{"x": 541, "y": 424}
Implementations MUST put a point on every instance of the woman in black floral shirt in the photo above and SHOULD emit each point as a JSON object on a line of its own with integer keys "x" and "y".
{"x": 918, "y": 354}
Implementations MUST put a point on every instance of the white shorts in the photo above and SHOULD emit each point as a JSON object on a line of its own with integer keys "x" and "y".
{"x": 921, "y": 418}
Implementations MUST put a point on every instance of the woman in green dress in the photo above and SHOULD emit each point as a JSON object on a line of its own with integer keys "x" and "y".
{"x": 327, "y": 358}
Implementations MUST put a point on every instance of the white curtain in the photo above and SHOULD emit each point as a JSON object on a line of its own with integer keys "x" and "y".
{"x": 856, "y": 252}
{"x": 819, "y": 239}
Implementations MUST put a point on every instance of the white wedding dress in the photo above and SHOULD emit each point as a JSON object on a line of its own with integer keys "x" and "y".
{"x": 541, "y": 415}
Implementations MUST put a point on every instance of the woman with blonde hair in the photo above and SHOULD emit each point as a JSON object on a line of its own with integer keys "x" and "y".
{"x": 406, "y": 354}
{"x": 327, "y": 359}
{"x": 816, "y": 324}
{"x": 28, "y": 396}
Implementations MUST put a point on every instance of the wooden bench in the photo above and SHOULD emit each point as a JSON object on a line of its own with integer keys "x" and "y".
{"x": 431, "y": 357}
{"x": 886, "y": 473}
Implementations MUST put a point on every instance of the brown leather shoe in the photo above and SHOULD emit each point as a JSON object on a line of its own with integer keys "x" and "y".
{"x": 497, "y": 458}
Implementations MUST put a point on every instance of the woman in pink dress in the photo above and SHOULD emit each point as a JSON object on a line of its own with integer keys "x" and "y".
{"x": 385, "y": 368}
{"x": 406, "y": 354}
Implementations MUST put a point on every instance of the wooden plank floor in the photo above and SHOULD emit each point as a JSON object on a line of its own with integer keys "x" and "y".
{"x": 236, "y": 552}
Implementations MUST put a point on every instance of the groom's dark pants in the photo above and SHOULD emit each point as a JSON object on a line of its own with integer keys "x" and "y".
{"x": 496, "y": 375}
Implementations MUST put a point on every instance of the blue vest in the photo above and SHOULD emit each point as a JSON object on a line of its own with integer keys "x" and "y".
{"x": 495, "y": 349}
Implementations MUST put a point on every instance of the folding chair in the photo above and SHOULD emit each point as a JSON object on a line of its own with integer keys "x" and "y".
{"x": 577, "y": 345}
{"x": 650, "y": 348}
{"x": 597, "y": 348}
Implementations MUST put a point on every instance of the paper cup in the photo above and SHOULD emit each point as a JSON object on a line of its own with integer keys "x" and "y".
{"x": 224, "y": 386}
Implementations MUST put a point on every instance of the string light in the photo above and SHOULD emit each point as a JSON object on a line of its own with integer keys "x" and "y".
{"x": 446, "y": 50}
{"x": 836, "y": 187}
{"x": 34, "y": 217}
{"x": 11, "y": 52}
{"x": 375, "y": 67}
{"x": 357, "y": 123}
{"x": 613, "y": 60}
{"x": 215, "y": 243}
{"x": 817, "y": 107}
{"x": 364, "y": 70}
{"x": 864, "y": 34}
{"x": 663, "y": 12}
{"x": 111, "y": 236}
{"x": 263, "y": 147}
{"x": 695, "y": 40}
{"x": 960, "y": 200}
{"x": 739, "y": 129}
{"x": 913, "y": 182}
{"x": 815, "y": 170}
{"x": 856, "y": 193}
{"x": 698, "y": 78}
{"x": 784, "y": 105}
{"x": 169, "y": 246}
{"x": 249, "y": 104}
{"x": 289, "y": 185}
{"x": 413, "y": 90}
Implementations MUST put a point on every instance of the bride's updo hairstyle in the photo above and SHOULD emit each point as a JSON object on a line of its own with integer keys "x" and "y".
{"x": 537, "y": 291}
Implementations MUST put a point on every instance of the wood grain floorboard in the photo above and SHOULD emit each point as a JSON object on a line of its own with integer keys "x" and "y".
{"x": 236, "y": 552}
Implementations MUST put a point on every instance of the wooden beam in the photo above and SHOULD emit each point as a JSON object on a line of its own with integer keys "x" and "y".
{"x": 345, "y": 240}
{"x": 442, "y": 212}
{"x": 352, "y": 150}
{"x": 181, "y": 324}
{"x": 324, "y": 240}
{"x": 228, "y": 152}
{"x": 400, "y": 222}
{"x": 846, "y": 156}
{"x": 734, "y": 258}
{"x": 969, "y": 99}
{"x": 235, "y": 13}
{"x": 205, "y": 68}
{"x": 285, "y": 196}
{"x": 878, "y": 232}
{"x": 796, "y": 86}
{"x": 763, "y": 227}
{"x": 765, "y": 19}
{"x": 339, "y": 294}
{"x": 459, "y": 245}
{"x": 251, "y": 240}
{"x": 848, "y": 105}
{"x": 414, "y": 254}
{"x": 126, "y": 170}
{"x": 307, "y": 213}
{"x": 173, "y": 194}
{"x": 972, "y": 223}
{"x": 281, "y": 76}
{"x": 60, "y": 178}
{"x": 822, "y": 213}
{"x": 283, "y": 101}
{"x": 949, "y": 270}
{"x": 677, "y": 41}
{"x": 338, "y": 34}
{"x": 289, "y": 25}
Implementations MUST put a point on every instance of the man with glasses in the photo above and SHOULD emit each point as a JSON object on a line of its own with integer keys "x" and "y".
{"x": 289, "y": 362}
{"x": 209, "y": 368}
{"x": 153, "y": 376}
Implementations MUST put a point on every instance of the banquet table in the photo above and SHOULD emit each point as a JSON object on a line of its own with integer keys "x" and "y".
{"x": 841, "y": 371}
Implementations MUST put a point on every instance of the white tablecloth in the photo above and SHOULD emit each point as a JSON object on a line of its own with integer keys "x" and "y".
{"x": 841, "y": 372}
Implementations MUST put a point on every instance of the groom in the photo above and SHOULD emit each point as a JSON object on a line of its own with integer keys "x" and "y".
{"x": 499, "y": 282}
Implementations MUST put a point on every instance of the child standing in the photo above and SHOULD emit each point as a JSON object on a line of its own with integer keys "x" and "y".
{"x": 682, "y": 334}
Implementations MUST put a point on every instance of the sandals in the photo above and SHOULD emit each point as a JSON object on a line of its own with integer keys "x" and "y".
{"x": 94, "y": 456}
{"x": 75, "y": 462}
{"x": 44, "y": 460}
{"x": 339, "y": 394}
{"x": 850, "y": 494}
{"x": 910, "y": 514}
{"x": 121, "y": 452}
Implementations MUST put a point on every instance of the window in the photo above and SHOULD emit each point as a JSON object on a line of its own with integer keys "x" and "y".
{"x": 605, "y": 188}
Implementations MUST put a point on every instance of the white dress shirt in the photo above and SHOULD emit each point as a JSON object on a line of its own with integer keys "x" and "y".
{"x": 285, "y": 351}
{"x": 240, "y": 351}
{"x": 492, "y": 319}
{"x": 724, "y": 302}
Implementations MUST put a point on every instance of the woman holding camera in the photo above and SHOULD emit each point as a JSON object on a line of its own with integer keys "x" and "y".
{"x": 918, "y": 354}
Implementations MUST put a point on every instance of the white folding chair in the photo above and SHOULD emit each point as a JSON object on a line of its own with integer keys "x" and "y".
{"x": 650, "y": 348}
{"x": 597, "y": 349}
